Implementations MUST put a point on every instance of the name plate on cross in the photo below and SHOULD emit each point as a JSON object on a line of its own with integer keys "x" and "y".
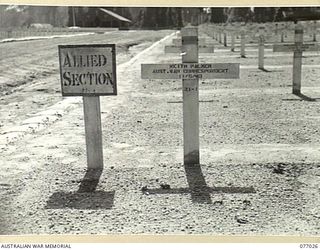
{"x": 295, "y": 47}
{"x": 190, "y": 71}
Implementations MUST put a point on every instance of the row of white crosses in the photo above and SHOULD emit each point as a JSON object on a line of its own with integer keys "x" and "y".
{"x": 218, "y": 32}
{"x": 278, "y": 30}
{"x": 297, "y": 48}
{"x": 309, "y": 27}
{"x": 251, "y": 31}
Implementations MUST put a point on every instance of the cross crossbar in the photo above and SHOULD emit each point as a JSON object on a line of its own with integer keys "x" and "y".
{"x": 178, "y": 49}
{"x": 295, "y": 47}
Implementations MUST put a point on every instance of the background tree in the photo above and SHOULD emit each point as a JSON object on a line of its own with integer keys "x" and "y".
{"x": 218, "y": 15}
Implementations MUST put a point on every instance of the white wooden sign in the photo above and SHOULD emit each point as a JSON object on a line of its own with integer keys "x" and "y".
{"x": 88, "y": 70}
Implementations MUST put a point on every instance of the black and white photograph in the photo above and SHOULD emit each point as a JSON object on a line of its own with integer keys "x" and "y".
{"x": 160, "y": 120}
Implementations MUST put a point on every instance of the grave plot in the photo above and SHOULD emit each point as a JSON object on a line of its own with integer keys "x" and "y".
{"x": 190, "y": 72}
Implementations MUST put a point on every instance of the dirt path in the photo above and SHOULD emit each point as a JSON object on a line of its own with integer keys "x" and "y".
{"x": 259, "y": 154}
{"x": 36, "y": 62}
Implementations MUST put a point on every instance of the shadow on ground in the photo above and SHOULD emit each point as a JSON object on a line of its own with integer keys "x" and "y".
{"x": 87, "y": 197}
{"x": 198, "y": 188}
{"x": 302, "y": 97}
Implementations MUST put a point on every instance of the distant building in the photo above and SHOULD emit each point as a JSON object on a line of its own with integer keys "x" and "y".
{"x": 96, "y": 17}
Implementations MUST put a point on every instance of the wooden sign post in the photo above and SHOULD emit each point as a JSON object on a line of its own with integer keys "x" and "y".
{"x": 261, "y": 48}
{"x": 298, "y": 47}
{"x": 89, "y": 71}
{"x": 190, "y": 71}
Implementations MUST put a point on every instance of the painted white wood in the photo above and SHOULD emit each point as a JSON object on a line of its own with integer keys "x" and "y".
{"x": 92, "y": 120}
{"x": 190, "y": 92}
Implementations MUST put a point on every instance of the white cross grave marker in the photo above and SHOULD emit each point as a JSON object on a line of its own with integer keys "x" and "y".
{"x": 89, "y": 71}
{"x": 190, "y": 71}
{"x": 298, "y": 47}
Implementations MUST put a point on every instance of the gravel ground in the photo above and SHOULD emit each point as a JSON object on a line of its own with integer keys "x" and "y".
{"x": 259, "y": 157}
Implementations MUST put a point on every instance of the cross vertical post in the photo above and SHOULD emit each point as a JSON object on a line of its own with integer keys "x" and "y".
{"x": 261, "y": 48}
{"x": 297, "y": 59}
{"x": 190, "y": 91}
{"x": 190, "y": 71}
{"x": 243, "y": 43}
{"x": 225, "y": 39}
{"x": 315, "y": 30}
{"x": 232, "y": 41}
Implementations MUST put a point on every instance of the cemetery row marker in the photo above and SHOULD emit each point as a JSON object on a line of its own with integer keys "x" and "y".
{"x": 89, "y": 71}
